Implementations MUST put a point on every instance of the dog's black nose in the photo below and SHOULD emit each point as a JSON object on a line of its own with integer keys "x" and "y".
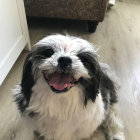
{"x": 64, "y": 62}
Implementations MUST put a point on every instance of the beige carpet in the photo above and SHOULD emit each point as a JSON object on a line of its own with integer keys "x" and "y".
{"x": 118, "y": 38}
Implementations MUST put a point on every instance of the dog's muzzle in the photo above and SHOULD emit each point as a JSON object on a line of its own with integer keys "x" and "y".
{"x": 61, "y": 80}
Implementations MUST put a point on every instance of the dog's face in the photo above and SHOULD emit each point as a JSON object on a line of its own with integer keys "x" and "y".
{"x": 64, "y": 62}
{"x": 60, "y": 61}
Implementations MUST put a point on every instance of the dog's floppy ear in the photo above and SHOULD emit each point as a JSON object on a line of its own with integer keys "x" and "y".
{"x": 30, "y": 67}
{"x": 23, "y": 91}
{"x": 91, "y": 86}
{"x": 27, "y": 81}
{"x": 98, "y": 81}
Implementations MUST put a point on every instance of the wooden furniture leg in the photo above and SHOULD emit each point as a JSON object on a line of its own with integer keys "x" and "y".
{"x": 92, "y": 25}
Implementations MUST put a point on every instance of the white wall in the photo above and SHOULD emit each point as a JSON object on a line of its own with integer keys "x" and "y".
{"x": 13, "y": 34}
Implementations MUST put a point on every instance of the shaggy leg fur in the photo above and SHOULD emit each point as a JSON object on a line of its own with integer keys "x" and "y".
{"x": 112, "y": 126}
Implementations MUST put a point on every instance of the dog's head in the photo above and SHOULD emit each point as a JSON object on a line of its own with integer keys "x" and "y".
{"x": 64, "y": 62}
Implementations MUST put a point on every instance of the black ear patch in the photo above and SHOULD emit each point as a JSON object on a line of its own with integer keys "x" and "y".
{"x": 43, "y": 52}
{"x": 98, "y": 81}
{"x": 33, "y": 59}
{"x": 27, "y": 83}
{"x": 91, "y": 86}
{"x": 89, "y": 62}
{"x": 23, "y": 97}
{"x": 91, "y": 89}
{"x": 27, "y": 77}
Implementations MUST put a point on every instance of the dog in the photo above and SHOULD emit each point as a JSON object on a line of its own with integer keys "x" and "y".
{"x": 66, "y": 93}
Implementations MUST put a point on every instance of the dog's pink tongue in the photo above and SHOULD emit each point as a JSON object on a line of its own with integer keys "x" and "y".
{"x": 60, "y": 81}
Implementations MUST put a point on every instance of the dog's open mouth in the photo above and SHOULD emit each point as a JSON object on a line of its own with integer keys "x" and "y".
{"x": 60, "y": 82}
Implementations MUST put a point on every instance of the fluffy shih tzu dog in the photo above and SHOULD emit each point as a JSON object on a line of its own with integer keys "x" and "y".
{"x": 66, "y": 93}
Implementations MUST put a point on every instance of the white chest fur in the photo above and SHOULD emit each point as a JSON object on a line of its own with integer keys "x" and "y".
{"x": 64, "y": 116}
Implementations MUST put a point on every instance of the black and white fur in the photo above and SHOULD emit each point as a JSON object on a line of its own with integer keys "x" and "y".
{"x": 74, "y": 114}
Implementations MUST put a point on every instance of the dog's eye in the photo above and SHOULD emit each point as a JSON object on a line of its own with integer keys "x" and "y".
{"x": 44, "y": 53}
{"x": 84, "y": 57}
{"x": 47, "y": 53}
{"x": 87, "y": 59}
